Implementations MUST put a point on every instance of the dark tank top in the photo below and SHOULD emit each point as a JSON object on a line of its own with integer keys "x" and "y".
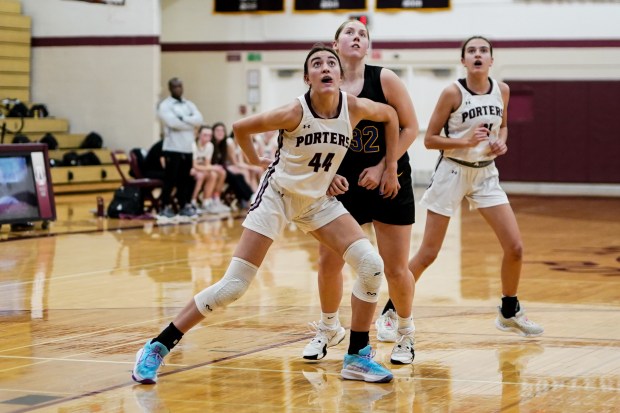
{"x": 368, "y": 144}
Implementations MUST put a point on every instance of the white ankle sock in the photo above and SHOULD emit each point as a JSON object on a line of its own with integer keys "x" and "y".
{"x": 330, "y": 320}
{"x": 405, "y": 325}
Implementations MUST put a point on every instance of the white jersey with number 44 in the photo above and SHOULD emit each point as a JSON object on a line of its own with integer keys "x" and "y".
{"x": 309, "y": 156}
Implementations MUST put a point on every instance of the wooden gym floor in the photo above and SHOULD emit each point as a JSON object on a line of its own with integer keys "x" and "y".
{"x": 78, "y": 300}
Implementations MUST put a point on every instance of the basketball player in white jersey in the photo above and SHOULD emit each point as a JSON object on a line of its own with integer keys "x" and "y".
{"x": 473, "y": 112}
{"x": 315, "y": 133}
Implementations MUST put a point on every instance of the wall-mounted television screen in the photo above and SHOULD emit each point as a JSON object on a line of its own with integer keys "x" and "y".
{"x": 26, "y": 192}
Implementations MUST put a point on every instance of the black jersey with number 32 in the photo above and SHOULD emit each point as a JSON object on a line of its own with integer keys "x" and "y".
{"x": 368, "y": 143}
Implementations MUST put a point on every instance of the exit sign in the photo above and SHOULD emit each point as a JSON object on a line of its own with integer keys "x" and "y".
{"x": 254, "y": 57}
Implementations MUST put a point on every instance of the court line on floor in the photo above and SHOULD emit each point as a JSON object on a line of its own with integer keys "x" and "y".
{"x": 461, "y": 313}
{"x": 212, "y": 363}
{"x": 112, "y": 329}
{"x": 131, "y": 384}
{"x": 273, "y": 346}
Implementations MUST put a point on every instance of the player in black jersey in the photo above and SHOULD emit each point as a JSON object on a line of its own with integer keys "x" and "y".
{"x": 356, "y": 186}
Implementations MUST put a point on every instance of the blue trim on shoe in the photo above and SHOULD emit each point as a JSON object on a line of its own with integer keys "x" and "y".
{"x": 362, "y": 367}
{"x": 148, "y": 360}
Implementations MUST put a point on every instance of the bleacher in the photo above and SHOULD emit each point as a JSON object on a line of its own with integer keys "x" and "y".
{"x": 15, "y": 40}
{"x": 82, "y": 178}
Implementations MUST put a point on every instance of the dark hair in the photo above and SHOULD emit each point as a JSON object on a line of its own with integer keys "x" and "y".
{"x": 220, "y": 149}
{"x": 343, "y": 25}
{"x": 472, "y": 38}
{"x": 218, "y": 124}
{"x": 320, "y": 47}
{"x": 200, "y": 129}
{"x": 174, "y": 80}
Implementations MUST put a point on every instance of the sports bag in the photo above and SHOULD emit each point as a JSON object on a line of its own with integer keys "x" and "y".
{"x": 92, "y": 141}
{"x": 50, "y": 140}
{"x": 126, "y": 201}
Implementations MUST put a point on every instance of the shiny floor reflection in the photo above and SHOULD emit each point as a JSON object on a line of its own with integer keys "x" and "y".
{"x": 79, "y": 299}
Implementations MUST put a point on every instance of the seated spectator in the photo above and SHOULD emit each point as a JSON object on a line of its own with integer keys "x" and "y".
{"x": 209, "y": 178}
{"x": 269, "y": 143}
{"x": 251, "y": 173}
{"x": 154, "y": 162}
{"x": 223, "y": 154}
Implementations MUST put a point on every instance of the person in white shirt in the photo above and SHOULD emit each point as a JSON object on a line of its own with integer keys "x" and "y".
{"x": 180, "y": 118}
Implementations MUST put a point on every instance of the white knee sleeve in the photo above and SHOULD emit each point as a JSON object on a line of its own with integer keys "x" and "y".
{"x": 233, "y": 285}
{"x": 369, "y": 267}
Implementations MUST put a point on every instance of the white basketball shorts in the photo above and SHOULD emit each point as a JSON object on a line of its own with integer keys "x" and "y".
{"x": 452, "y": 182}
{"x": 274, "y": 208}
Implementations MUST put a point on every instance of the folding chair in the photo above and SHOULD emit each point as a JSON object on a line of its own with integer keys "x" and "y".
{"x": 150, "y": 188}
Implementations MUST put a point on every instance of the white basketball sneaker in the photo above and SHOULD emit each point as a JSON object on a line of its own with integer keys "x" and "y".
{"x": 519, "y": 324}
{"x": 403, "y": 351}
{"x": 387, "y": 327}
{"x": 316, "y": 349}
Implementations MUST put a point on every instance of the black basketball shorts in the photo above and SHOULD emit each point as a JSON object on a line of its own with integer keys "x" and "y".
{"x": 367, "y": 205}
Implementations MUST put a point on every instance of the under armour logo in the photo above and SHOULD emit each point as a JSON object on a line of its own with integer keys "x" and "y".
{"x": 467, "y": 102}
{"x": 306, "y": 126}
{"x": 453, "y": 172}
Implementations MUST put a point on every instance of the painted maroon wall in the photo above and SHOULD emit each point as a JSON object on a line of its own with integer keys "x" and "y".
{"x": 563, "y": 131}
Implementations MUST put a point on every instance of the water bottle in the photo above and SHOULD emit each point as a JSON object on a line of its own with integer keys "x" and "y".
{"x": 100, "y": 207}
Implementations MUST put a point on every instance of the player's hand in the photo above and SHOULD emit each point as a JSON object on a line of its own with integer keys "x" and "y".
{"x": 480, "y": 134}
{"x": 389, "y": 183}
{"x": 264, "y": 162}
{"x": 498, "y": 147}
{"x": 370, "y": 178}
{"x": 339, "y": 186}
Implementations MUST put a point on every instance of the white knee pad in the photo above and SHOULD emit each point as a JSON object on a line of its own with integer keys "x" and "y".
{"x": 369, "y": 267}
{"x": 229, "y": 289}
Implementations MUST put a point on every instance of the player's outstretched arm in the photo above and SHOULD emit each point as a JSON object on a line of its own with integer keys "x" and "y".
{"x": 286, "y": 117}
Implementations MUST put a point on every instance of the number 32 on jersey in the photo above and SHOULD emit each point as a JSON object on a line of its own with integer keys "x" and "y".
{"x": 365, "y": 140}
